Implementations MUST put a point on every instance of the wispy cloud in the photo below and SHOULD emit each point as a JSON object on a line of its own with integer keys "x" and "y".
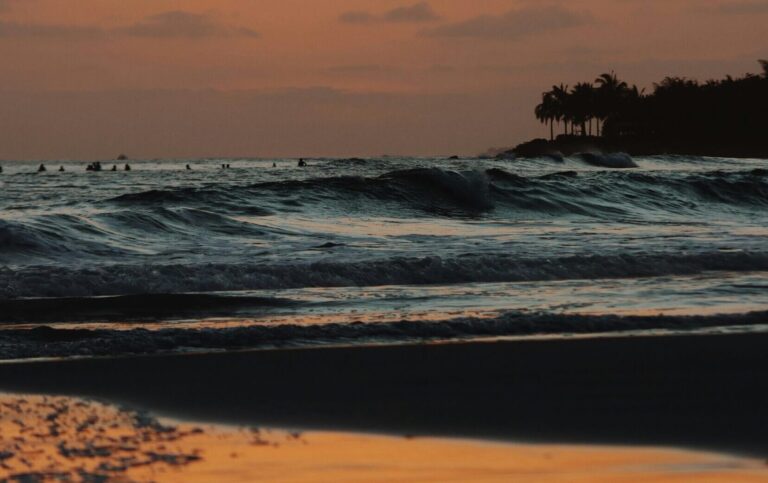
{"x": 168, "y": 25}
{"x": 741, "y": 8}
{"x": 515, "y": 24}
{"x": 180, "y": 24}
{"x": 419, "y": 12}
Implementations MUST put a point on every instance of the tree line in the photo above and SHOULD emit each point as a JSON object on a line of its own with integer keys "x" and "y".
{"x": 677, "y": 110}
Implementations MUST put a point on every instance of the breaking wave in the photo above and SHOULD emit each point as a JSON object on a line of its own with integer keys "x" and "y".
{"x": 50, "y": 342}
{"x": 55, "y": 281}
{"x": 124, "y": 223}
{"x": 444, "y": 192}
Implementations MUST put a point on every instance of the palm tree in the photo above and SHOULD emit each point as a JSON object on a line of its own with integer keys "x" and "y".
{"x": 560, "y": 96}
{"x": 610, "y": 92}
{"x": 582, "y": 104}
{"x": 545, "y": 113}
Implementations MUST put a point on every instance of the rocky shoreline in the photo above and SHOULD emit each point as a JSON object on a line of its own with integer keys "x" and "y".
{"x": 563, "y": 146}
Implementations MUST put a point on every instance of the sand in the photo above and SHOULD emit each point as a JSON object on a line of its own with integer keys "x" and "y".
{"x": 706, "y": 393}
{"x": 45, "y": 438}
{"x": 702, "y": 392}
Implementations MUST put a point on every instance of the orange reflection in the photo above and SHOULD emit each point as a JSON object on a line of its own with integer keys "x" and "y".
{"x": 58, "y": 439}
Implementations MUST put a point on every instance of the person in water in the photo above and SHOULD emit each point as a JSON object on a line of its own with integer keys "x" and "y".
{"x": 41, "y": 168}
{"x": 61, "y": 169}
{"x": 127, "y": 167}
{"x": 302, "y": 163}
{"x": 274, "y": 165}
{"x": 114, "y": 167}
{"x": 189, "y": 168}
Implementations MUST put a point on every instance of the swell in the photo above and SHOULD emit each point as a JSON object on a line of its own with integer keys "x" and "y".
{"x": 115, "y": 233}
{"x": 441, "y": 191}
{"x": 56, "y": 281}
{"x": 144, "y": 222}
{"x": 49, "y": 342}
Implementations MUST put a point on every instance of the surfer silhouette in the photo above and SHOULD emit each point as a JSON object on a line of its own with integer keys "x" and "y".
{"x": 41, "y": 168}
{"x": 302, "y": 163}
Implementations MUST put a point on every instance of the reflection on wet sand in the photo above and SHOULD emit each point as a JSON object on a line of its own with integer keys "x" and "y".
{"x": 728, "y": 293}
{"x": 44, "y": 438}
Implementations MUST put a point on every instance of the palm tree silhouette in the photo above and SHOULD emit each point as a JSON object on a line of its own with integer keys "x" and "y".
{"x": 582, "y": 105}
{"x": 560, "y": 100}
{"x": 610, "y": 91}
{"x": 545, "y": 112}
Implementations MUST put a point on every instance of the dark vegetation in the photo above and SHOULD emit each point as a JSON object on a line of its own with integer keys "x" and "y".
{"x": 727, "y": 117}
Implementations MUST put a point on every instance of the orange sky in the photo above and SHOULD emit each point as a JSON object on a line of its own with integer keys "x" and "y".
{"x": 164, "y": 78}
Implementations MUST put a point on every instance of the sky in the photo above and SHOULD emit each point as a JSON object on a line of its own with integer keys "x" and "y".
{"x": 89, "y": 79}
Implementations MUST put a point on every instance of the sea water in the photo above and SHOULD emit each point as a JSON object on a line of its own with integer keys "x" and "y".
{"x": 360, "y": 251}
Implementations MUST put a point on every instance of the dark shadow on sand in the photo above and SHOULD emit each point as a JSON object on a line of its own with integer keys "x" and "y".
{"x": 707, "y": 392}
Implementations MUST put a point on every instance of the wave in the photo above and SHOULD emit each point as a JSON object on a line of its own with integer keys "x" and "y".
{"x": 56, "y": 281}
{"x": 148, "y": 222}
{"x": 447, "y": 192}
{"x": 115, "y": 234}
{"x": 609, "y": 160}
{"x": 50, "y": 342}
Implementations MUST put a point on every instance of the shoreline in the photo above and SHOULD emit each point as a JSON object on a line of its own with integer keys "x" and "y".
{"x": 569, "y": 145}
{"x": 77, "y": 439}
{"x": 705, "y": 392}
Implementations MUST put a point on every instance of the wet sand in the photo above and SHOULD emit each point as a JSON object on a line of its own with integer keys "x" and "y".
{"x": 66, "y": 439}
{"x": 705, "y": 392}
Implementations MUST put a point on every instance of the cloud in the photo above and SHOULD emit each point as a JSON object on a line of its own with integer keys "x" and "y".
{"x": 515, "y": 24}
{"x": 420, "y": 12}
{"x": 361, "y": 69}
{"x": 417, "y": 13}
{"x": 741, "y": 8}
{"x": 167, "y": 25}
{"x": 180, "y": 24}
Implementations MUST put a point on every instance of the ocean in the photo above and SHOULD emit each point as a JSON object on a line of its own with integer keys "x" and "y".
{"x": 375, "y": 251}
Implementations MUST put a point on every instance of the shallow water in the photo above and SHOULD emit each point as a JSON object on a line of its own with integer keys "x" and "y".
{"x": 377, "y": 240}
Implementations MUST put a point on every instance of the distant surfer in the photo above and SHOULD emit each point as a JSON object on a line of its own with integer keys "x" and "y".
{"x": 274, "y": 165}
{"x": 302, "y": 163}
{"x": 61, "y": 169}
{"x": 114, "y": 167}
{"x": 41, "y": 169}
{"x": 189, "y": 168}
{"x": 127, "y": 167}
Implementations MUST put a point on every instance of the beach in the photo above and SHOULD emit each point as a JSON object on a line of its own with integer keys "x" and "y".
{"x": 66, "y": 439}
{"x": 501, "y": 310}
{"x": 245, "y": 241}
{"x": 705, "y": 392}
